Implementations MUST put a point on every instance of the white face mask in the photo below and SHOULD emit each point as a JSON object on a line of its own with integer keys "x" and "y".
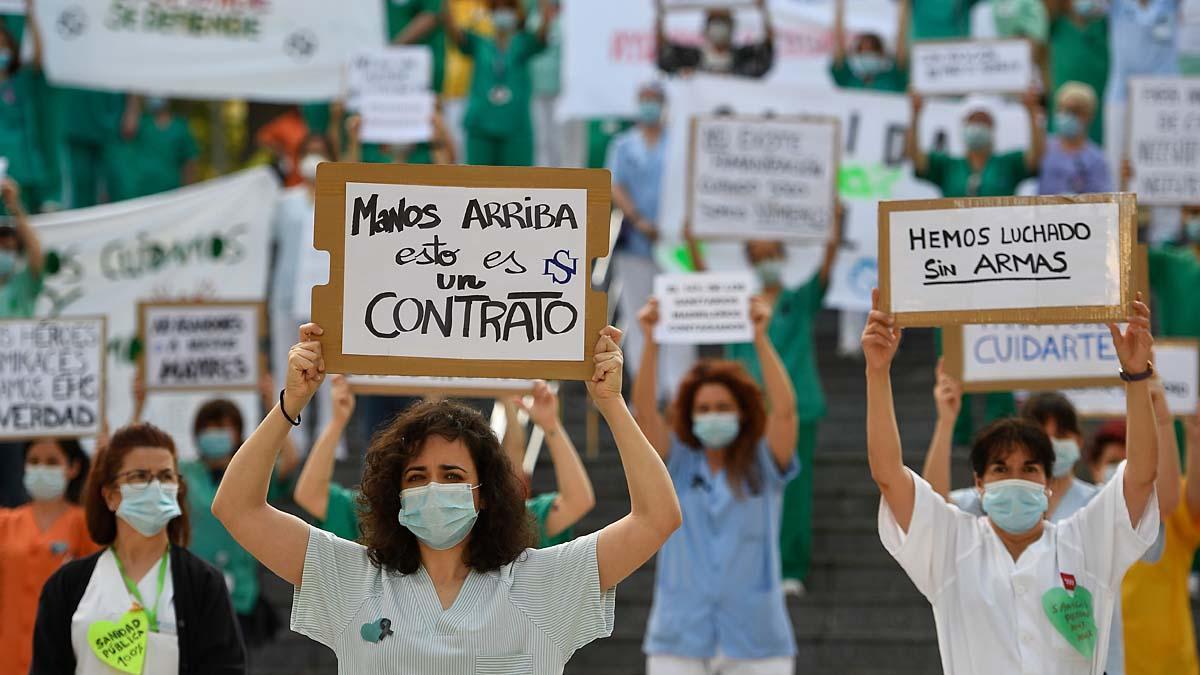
{"x": 308, "y": 166}
{"x": 1066, "y": 453}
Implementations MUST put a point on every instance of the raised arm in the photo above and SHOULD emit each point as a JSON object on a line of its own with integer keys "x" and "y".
{"x": 839, "y": 33}
{"x": 947, "y": 394}
{"x": 454, "y": 33}
{"x": 645, "y": 385}
{"x": 28, "y": 236}
{"x": 1037, "y": 132}
{"x": 278, "y": 540}
{"x": 1055, "y": 8}
{"x": 1191, "y": 427}
{"x": 768, "y": 25}
{"x": 419, "y": 27}
{"x": 548, "y": 13}
{"x": 1167, "y": 481}
{"x": 312, "y": 488}
{"x": 289, "y": 456}
{"x": 832, "y": 244}
{"x": 902, "y": 33}
{"x": 880, "y": 339}
{"x": 783, "y": 424}
{"x": 442, "y": 142}
{"x": 514, "y": 439}
{"x": 575, "y": 495}
{"x": 353, "y": 152}
{"x": 35, "y": 35}
{"x": 1135, "y": 348}
{"x": 912, "y": 141}
{"x": 337, "y": 117}
{"x": 653, "y": 507}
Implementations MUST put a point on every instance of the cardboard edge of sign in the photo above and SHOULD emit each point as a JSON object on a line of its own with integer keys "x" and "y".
{"x": 690, "y": 193}
{"x": 102, "y": 393}
{"x": 328, "y": 229}
{"x": 260, "y": 311}
{"x": 1127, "y": 205}
{"x": 1192, "y": 343}
{"x": 963, "y": 92}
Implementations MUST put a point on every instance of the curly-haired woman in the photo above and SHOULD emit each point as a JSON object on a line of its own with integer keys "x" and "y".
{"x": 444, "y": 580}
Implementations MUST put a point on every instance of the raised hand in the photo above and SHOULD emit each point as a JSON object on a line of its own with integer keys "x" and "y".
{"x": 880, "y": 338}
{"x": 306, "y": 368}
{"x": 648, "y": 317}
{"x": 1135, "y": 346}
{"x": 605, "y": 384}
{"x": 544, "y": 410}
{"x": 343, "y": 399}
{"x": 760, "y": 315}
{"x": 947, "y": 393}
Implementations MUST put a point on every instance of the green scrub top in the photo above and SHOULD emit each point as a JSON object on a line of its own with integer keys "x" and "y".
{"x": 375, "y": 153}
{"x": 87, "y": 116}
{"x": 936, "y": 19}
{"x": 153, "y": 160}
{"x": 893, "y": 79}
{"x": 600, "y": 133}
{"x": 500, "y": 70}
{"x": 1000, "y": 177}
{"x": 213, "y": 543}
{"x": 20, "y": 131}
{"x": 1080, "y": 54}
{"x": 1174, "y": 281}
{"x": 791, "y": 331}
{"x": 401, "y": 12}
{"x": 539, "y": 508}
{"x": 19, "y": 294}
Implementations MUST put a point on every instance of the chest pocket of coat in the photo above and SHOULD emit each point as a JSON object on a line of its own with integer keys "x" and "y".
{"x": 512, "y": 664}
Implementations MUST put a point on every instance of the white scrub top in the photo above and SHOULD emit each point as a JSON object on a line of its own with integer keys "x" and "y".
{"x": 107, "y": 599}
{"x": 527, "y": 617}
{"x": 988, "y": 608}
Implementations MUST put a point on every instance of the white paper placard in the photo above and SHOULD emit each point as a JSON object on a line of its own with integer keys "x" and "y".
{"x": 763, "y": 178}
{"x": 16, "y": 7}
{"x": 202, "y": 346}
{"x": 709, "y": 308}
{"x": 1005, "y": 257}
{"x": 389, "y": 71}
{"x": 952, "y": 67}
{"x": 461, "y": 273}
{"x": 51, "y": 377}
{"x": 1164, "y": 139}
{"x": 1002, "y": 352}
{"x": 1177, "y": 365}
{"x": 397, "y": 119}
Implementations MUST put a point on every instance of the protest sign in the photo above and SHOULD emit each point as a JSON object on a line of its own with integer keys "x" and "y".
{"x": 390, "y": 89}
{"x": 1037, "y": 260}
{"x": 704, "y": 308}
{"x": 16, "y": 7}
{"x": 265, "y": 50}
{"x": 706, "y": 4}
{"x": 51, "y": 377}
{"x": 202, "y": 346}
{"x": 460, "y": 270}
{"x": 1007, "y": 357}
{"x": 208, "y": 240}
{"x": 757, "y": 177}
{"x": 1164, "y": 139}
{"x": 1177, "y": 364}
{"x": 458, "y": 387}
{"x": 952, "y": 67}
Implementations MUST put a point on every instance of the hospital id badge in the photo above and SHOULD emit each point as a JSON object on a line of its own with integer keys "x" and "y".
{"x": 500, "y": 95}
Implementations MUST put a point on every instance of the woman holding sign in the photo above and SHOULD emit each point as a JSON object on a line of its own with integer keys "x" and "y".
{"x": 445, "y": 581}
{"x": 729, "y": 459}
{"x": 1039, "y": 596}
{"x": 145, "y": 604}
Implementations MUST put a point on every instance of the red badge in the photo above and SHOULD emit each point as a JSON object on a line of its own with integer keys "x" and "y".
{"x": 1068, "y": 581}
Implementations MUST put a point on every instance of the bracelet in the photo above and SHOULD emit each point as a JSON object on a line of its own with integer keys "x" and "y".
{"x": 283, "y": 411}
{"x": 1138, "y": 377}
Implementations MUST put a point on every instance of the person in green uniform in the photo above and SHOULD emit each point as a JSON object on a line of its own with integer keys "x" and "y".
{"x": 498, "y": 121}
{"x": 980, "y": 173}
{"x": 1174, "y": 281}
{"x": 160, "y": 156}
{"x": 791, "y": 333}
{"x": 867, "y": 65}
{"x": 418, "y": 22}
{"x": 941, "y": 19}
{"x": 1079, "y": 52}
{"x": 25, "y": 121}
{"x": 92, "y": 123}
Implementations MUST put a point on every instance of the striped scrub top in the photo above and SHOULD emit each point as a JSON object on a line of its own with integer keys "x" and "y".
{"x": 525, "y": 618}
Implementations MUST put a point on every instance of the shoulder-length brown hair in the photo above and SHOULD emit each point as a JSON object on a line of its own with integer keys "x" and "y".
{"x": 740, "y": 462}
{"x": 503, "y": 529}
{"x": 101, "y": 522}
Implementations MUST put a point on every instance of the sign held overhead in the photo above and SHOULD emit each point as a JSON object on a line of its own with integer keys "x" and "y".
{"x": 704, "y": 308}
{"x": 1164, "y": 139}
{"x": 201, "y": 345}
{"x": 52, "y": 377}
{"x": 952, "y": 67}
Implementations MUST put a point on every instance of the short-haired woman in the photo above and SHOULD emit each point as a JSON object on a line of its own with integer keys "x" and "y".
{"x": 144, "y": 596}
{"x": 444, "y": 580}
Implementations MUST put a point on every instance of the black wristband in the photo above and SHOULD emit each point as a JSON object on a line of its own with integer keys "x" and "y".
{"x": 283, "y": 411}
{"x": 1138, "y": 377}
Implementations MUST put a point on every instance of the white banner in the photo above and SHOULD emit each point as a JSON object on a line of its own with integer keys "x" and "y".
{"x": 941, "y": 68}
{"x": 51, "y": 377}
{"x": 205, "y": 241}
{"x": 262, "y": 50}
{"x": 704, "y": 308}
{"x": 202, "y": 346}
{"x": 1164, "y": 139}
{"x": 1177, "y": 365}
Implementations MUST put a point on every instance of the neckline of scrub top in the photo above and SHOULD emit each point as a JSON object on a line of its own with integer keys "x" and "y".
{"x": 1002, "y": 550}
{"x": 720, "y": 493}
{"x": 446, "y": 621}
{"x": 42, "y": 535}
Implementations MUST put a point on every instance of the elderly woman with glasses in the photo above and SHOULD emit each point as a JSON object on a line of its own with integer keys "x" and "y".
{"x": 143, "y": 603}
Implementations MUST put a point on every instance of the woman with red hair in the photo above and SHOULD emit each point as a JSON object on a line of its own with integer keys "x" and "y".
{"x": 718, "y": 602}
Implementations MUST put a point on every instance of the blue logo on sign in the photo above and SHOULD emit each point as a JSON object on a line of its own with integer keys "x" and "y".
{"x": 562, "y": 267}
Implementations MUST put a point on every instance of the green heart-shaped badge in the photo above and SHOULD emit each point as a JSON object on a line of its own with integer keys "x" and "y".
{"x": 376, "y": 630}
{"x": 1071, "y": 615}
{"x": 121, "y": 644}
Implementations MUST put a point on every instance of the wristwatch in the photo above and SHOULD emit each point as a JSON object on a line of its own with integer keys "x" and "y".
{"x": 1138, "y": 377}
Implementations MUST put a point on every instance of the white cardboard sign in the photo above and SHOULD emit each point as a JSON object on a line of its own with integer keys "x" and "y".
{"x": 51, "y": 377}
{"x": 1177, "y": 365}
{"x": 202, "y": 346}
{"x": 1006, "y": 352}
{"x": 763, "y": 178}
{"x": 952, "y": 67}
{"x": 390, "y": 88}
{"x": 1164, "y": 139}
{"x": 704, "y": 308}
{"x": 403, "y": 384}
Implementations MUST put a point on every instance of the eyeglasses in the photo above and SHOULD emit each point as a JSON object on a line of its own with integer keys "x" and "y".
{"x": 139, "y": 479}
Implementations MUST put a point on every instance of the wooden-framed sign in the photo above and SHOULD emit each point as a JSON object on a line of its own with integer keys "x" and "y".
{"x": 461, "y": 271}
{"x": 1056, "y": 259}
{"x": 52, "y": 377}
{"x": 1164, "y": 139}
{"x": 710, "y": 308}
{"x": 456, "y": 387}
{"x": 202, "y": 346}
{"x": 757, "y": 177}
{"x": 1008, "y": 357}
{"x": 1177, "y": 363}
{"x": 960, "y": 67}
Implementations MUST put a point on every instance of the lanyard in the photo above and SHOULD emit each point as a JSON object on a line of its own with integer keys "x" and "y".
{"x": 151, "y": 612}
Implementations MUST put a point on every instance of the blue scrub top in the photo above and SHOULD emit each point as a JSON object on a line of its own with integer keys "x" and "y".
{"x": 717, "y": 586}
{"x": 638, "y": 169}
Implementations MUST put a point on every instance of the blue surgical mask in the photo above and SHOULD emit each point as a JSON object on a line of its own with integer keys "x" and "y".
{"x": 769, "y": 271}
{"x": 1068, "y": 125}
{"x": 649, "y": 112}
{"x": 716, "y": 430}
{"x": 1066, "y": 453}
{"x": 1015, "y": 506}
{"x": 8, "y": 262}
{"x": 439, "y": 514}
{"x": 149, "y": 508}
{"x": 155, "y": 104}
{"x": 719, "y": 33}
{"x": 977, "y": 136}
{"x": 1087, "y": 7}
{"x": 867, "y": 64}
{"x": 505, "y": 20}
{"x": 214, "y": 443}
{"x": 44, "y": 483}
